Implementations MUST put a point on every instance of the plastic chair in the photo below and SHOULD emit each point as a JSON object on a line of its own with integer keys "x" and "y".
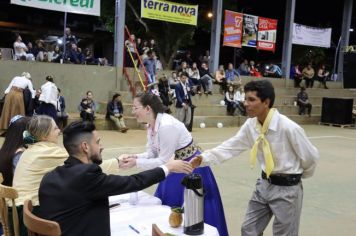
{"x": 38, "y": 226}
{"x": 8, "y": 193}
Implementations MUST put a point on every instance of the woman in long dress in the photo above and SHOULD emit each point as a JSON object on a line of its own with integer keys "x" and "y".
{"x": 168, "y": 137}
{"x": 14, "y": 101}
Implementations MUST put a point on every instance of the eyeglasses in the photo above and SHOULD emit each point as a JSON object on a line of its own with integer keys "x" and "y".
{"x": 136, "y": 108}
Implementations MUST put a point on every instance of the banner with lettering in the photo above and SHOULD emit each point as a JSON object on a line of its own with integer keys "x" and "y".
{"x": 169, "y": 11}
{"x": 232, "y": 29}
{"x": 85, "y": 7}
{"x": 267, "y": 34}
{"x": 311, "y": 36}
{"x": 250, "y": 24}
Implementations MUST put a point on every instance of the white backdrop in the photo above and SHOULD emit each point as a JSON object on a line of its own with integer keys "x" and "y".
{"x": 311, "y": 36}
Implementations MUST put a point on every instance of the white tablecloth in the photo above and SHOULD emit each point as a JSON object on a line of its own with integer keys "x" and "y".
{"x": 143, "y": 215}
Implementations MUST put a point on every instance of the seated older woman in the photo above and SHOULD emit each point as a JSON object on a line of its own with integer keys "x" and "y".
{"x": 42, "y": 156}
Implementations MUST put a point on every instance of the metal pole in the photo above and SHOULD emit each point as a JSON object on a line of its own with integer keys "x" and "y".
{"x": 345, "y": 34}
{"x": 335, "y": 58}
{"x": 287, "y": 41}
{"x": 215, "y": 35}
{"x": 119, "y": 32}
{"x": 64, "y": 35}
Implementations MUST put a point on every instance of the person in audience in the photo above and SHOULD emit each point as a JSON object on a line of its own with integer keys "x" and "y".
{"x": 272, "y": 70}
{"x": 130, "y": 50}
{"x": 296, "y": 74}
{"x": 153, "y": 47}
{"x": 57, "y": 54}
{"x": 70, "y": 38}
{"x": 206, "y": 79}
{"x": 115, "y": 112}
{"x": 72, "y": 55}
{"x": 229, "y": 100}
{"x": 239, "y": 100}
{"x": 150, "y": 65}
{"x": 21, "y": 50}
{"x": 322, "y": 76}
{"x": 62, "y": 116}
{"x": 167, "y": 137}
{"x": 165, "y": 93}
{"x": 303, "y": 102}
{"x": 76, "y": 194}
{"x": 285, "y": 155}
{"x": 89, "y": 58}
{"x": 14, "y": 100}
{"x": 80, "y": 55}
{"x": 254, "y": 70}
{"x": 30, "y": 49}
{"x": 244, "y": 68}
{"x": 308, "y": 76}
{"x": 183, "y": 67}
{"x": 48, "y": 99}
{"x": 220, "y": 79}
{"x": 173, "y": 80}
{"x": 42, "y": 156}
{"x": 194, "y": 78}
{"x": 87, "y": 107}
{"x": 231, "y": 73}
{"x": 12, "y": 148}
{"x": 184, "y": 101}
{"x": 41, "y": 52}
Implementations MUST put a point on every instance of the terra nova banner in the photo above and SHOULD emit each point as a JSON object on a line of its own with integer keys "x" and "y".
{"x": 232, "y": 29}
{"x": 86, "y": 7}
{"x": 169, "y": 11}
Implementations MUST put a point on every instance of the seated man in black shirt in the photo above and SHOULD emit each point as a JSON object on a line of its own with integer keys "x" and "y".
{"x": 76, "y": 194}
{"x": 303, "y": 102}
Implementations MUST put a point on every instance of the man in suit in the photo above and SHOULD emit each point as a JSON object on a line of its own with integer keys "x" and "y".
{"x": 184, "y": 102}
{"x": 76, "y": 194}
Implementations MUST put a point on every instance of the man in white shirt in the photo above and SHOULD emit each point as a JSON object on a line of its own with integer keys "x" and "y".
{"x": 285, "y": 155}
{"x": 21, "y": 50}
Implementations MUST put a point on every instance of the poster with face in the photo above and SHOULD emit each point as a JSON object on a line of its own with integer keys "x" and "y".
{"x": 250, "y": 27}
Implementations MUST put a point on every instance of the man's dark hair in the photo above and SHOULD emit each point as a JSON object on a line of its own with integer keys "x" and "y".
{"x": 264, "y": 89}
{"x": 49, "y": 78}
{"x": 75, "y": 133}
{"x": 115, "y": 96}
{"x": 184, "y": 74}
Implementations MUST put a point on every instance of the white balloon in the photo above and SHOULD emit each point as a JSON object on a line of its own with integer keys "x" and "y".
{"x": 222, "y": 103}
{"x": 202, "y": 125}
{"x": 220, "y": 125}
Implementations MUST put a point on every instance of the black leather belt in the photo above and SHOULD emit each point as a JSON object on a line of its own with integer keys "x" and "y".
{"x": 282, "y": 179}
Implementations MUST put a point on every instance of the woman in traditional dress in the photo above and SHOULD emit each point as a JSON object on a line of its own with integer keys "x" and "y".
{"x": 14, "y": 102}
{"x": 168, "y": 137}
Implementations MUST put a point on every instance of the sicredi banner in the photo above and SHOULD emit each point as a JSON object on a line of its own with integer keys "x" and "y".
{"x": 311, "y": 36}
{"x": 86, "y": 7}
{"x": 169, "y": 11}
{"x": 232, "y": 29}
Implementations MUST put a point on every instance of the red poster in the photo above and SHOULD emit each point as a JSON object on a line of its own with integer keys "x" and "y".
{"x": 267, "y": 34}
{"x": 232, "y": 29}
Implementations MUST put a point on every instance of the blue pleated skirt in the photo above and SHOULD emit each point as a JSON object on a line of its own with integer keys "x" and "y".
{"x": 171, "y": 193}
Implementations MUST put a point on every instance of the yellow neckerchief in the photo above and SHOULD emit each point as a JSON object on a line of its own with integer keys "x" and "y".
{"x": 265, "y": 145}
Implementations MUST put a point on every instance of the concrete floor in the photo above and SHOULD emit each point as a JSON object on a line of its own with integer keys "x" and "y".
{"x": 329, "y": 206}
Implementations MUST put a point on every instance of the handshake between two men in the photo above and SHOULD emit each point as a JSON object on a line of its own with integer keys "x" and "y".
{"x": 127, "y": 161}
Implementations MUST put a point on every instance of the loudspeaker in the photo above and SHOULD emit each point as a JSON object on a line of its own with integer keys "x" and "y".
{"x": 337, "y": 111}
{"x": 350, "y": 70}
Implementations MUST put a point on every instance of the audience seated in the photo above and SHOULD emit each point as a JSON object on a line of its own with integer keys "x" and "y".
{"x": 308, "y": 76}
{"x": 194, "y": 78}
{"x": 244, "y": 68}
{"x": 165, "y": 93}
{"x": 115, "y": 112}
{"x": 21, "y": 50}
{"x": 322, "y": 76}
{"x": 230, "y": 74}
{"x": 239, "y": 99}
{"x": 229, "y": 100}
{"x": 303, "y": 102}
{"x": 206, "y": 79}
{"x": 87, "y": 107}
{"x": 272, "y": 70}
